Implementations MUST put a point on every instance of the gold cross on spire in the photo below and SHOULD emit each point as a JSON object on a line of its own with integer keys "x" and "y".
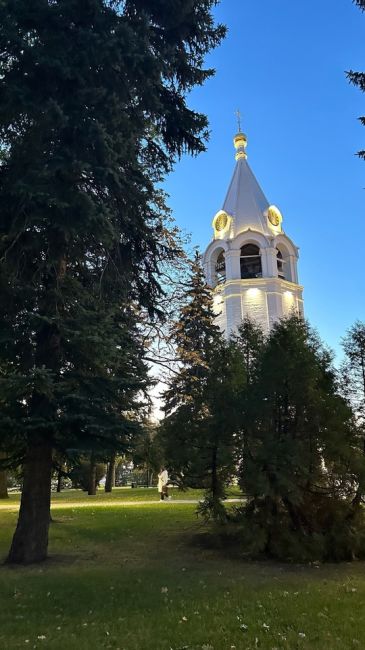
{"x": 238, "y": 115}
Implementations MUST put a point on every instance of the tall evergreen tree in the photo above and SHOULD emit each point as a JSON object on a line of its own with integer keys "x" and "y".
{"x": 196, "y": 338}
{"x": 92, "y": 115}
{"x": 200, "y": 422}
{"x": 358, "y": 78}
{"x": 249, "y": 342}
{"x": 148, "y": 454}
{"x": 353, "y": 368}
{"x": 249, "y": 338}
{"x": 226, "y": 384}
{"x": 352, "y": 375}
{"x": 301, "y": 466}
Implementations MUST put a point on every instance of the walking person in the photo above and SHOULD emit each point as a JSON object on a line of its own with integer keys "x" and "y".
{"x": 163, "y": 479}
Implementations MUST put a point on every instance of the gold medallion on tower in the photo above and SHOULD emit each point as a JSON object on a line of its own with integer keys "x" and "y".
{"x": 221, "y": 223}
{"x": 274, "y": 217}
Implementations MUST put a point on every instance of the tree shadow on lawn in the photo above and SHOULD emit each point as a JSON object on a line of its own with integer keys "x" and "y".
{"x": 191, "y": 548}
{"x": 119, "y": 536}
{"x": 143, "y": 539}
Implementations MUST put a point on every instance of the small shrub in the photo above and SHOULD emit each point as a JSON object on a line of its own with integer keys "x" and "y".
{"x": 331, "y": 530}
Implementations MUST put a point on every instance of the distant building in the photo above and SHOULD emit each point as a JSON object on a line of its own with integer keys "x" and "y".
{"x": 251, "y": 264}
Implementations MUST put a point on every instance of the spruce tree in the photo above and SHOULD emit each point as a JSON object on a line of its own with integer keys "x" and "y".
{"x": 226, "y": 384}
{"x": 354, "y": 367}
{"x": 200, "y": 420}
{"x": 148, "y": 453}
{"x": 352, "y": 373}
{"x": 92, "y": 115}
{"x": 249, "y": 342}
{"x": 249, "y": 339}
{"x": 300, "y": 469}
{"x": 358, "y": 78}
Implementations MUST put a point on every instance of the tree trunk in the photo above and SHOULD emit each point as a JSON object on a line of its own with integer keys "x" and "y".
{"x": 3, "y": 484}
{"x": 297, "y": 517}
{"x": 214, "y": 474}
{"x": 3, "y": 479}
{"x": 30, "y": 540}
{"x": 59, "y": 481}
{"x": 110, "y": 475}
{"x": 92, "y": 478}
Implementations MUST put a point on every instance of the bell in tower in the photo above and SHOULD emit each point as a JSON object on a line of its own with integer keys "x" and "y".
{"x": 251, "y": 264}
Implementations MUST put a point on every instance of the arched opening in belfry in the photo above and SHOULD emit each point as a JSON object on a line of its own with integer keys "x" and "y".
{"x": 283, "y": 263}
{"x": 220, "y": 268}
{"x": 280, "y": 264}
{"x": 250, "y": 262}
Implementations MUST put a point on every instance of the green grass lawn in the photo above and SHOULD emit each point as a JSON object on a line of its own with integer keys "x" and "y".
{"x": 134, "y": 577}
{"x": 123, "y": 494}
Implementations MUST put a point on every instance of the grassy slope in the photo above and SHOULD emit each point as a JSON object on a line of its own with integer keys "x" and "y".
{"x": 130, "y": 578}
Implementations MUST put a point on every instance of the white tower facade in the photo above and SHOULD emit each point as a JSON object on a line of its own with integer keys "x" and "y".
{"x": 251, "y": 264}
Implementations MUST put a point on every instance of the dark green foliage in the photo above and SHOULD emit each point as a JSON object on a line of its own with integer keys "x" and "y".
{"x": 249, "y": 339}
{"x": 92, "y": 116}
{"x": 337, "y": 533}
{"x": 200, "y": 422}
{"x": 92, "y": 113}
{"x": 14, "y": 476}
{"x": 352, "y": 376}
{"x": 358, "y": 78}
{"x": 80, "y": 474}
{"x": 148, "y": 453}
{"x": 196, "y": 337}
{"x": 249, "y": 345}
{"x": 353, "y": 368}
{"x": 300, "y": 467}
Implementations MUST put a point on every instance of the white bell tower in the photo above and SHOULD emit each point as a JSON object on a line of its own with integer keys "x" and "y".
{"x": 251, "y": 264}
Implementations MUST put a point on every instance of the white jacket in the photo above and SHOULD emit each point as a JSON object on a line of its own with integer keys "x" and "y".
{"x": 163, "y": 479}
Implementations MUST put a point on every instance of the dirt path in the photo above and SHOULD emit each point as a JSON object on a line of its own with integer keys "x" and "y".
{"x": 63, "y": 505}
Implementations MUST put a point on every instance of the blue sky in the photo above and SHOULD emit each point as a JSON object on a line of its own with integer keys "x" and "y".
{"x": 283, "y": 64}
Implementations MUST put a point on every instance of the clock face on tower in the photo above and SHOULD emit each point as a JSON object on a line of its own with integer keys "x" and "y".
{"x": 274, "y": 216}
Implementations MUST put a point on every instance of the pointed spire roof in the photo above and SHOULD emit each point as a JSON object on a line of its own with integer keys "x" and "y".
{"x": 245, "y": 200}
